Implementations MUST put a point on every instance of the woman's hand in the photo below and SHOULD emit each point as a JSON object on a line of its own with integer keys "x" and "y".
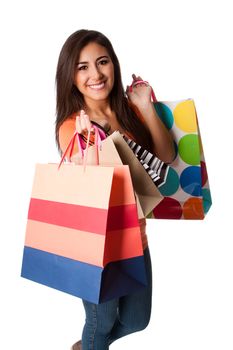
{"x": 83, "y": 123}
{"x": 82, "y": 126}
{"x": 140, "y": 96}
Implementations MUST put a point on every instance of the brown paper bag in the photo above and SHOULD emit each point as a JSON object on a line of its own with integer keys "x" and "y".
{"x": 115, "y": 151}
{"x": 107, "y": 155}
{"x": 148, "y": 195}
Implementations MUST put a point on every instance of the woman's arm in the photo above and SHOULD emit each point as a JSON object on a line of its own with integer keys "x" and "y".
{"x": 162, "y": 140}
{"x": 163, "y": 144}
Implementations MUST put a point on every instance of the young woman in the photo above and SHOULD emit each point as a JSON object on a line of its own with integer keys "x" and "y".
{"x": 90, "y": 90}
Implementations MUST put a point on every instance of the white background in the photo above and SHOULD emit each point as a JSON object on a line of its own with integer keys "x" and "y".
{"x": 184, "y": 49}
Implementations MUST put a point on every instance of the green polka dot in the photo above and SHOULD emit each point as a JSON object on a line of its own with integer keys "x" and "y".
{"x": 165, "y": 114}
{"x": 189, "y": 150}
{"x": 172, "y": 183}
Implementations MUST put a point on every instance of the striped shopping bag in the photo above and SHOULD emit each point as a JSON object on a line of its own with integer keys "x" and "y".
{"x": 83, "y": 235}
{"x": 155, "y": 167}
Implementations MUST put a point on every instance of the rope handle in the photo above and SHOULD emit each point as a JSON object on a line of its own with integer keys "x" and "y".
{"x": 134, "y": 83}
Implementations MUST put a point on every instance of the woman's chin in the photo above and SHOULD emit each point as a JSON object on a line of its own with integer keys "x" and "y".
{"x": 98, "y": 95}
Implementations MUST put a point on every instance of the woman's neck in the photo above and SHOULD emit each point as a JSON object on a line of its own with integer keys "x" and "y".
{"x": 101, "y": 113}
{"x": 99, "y": 109}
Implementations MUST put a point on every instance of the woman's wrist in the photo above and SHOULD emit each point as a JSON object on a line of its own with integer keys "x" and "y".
{"x": 145, "y": 107}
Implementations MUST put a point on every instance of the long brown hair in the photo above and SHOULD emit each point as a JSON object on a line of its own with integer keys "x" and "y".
{"x": 70, "y": 100}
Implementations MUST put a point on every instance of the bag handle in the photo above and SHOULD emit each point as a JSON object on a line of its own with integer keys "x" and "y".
{"x": 97, "y": 145}
{"x": 83, "y": 152}
{"x": 154, "y": 99}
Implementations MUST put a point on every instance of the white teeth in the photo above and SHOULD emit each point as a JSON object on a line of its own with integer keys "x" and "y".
{"x": 97, "y": 86}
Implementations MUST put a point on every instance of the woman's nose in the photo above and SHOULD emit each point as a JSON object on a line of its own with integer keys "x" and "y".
{"x": 96, "y": 73}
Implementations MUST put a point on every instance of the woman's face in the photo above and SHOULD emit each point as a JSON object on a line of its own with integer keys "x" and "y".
{"x": 94, "y": 75}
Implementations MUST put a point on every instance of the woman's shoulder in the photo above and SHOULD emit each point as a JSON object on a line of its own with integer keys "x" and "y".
{"x": 69, "y": 121}
{"x": 66, "y": 131}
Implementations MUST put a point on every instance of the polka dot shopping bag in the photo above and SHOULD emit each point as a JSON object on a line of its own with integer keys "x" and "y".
{"x": 186, "y": 190}
{"x": 185, "y": 186}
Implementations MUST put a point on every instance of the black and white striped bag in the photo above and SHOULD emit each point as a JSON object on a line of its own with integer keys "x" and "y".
{"x": 155, "y": 167}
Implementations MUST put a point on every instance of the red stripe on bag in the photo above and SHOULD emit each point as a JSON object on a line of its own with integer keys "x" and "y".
{"x": 122, "y": 216}
{"x": 68, "y": 215}
{"x": 82, "y": 218}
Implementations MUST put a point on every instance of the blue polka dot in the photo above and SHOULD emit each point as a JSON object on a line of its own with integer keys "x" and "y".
{"x": 207, "y": 201}
{"x": 171, "y": 185}
{"x": 165, "y": 114}
{"x": 190, "y": 180}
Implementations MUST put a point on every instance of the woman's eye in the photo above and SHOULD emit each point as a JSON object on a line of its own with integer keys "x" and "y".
{"x": 103, "y": 62}
{"x": 82, "y": 68}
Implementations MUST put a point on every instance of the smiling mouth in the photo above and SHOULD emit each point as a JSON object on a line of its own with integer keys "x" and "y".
{"x": 97, "y": 86}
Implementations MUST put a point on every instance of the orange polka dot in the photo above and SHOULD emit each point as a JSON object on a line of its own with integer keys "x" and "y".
{"x": 193, "y": 209}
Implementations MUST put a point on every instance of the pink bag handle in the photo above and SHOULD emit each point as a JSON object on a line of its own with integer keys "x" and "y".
{"x": 98, "y": 143}
{"x": 154, "y": 99}
{"x": 81, "y": 151}
{"x": 71, "y": 147}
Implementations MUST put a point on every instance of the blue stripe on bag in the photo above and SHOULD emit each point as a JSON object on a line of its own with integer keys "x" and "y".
{"x": 83, "y": 280}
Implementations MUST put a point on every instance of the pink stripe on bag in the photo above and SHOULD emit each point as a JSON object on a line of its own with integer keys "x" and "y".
{"x": 81, "y": 217}
{"x": 74, "y": 244}
{"x": 123, "y": 244}
{"x": 84, "y": 246}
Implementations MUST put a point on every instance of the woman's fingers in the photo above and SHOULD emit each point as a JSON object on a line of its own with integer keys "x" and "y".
{"x": 135, "y": 78}
{"x": 83, "y": 124}
{"x": 77, "y": 124}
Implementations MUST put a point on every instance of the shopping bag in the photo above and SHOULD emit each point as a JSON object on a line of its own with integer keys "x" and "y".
{"x": 155, "y": 167}
{"x": 186, "y": 191}
{"x": 83, "y": 235}
{"x": 143, "y": 181}
{"x": 116, "y": 151}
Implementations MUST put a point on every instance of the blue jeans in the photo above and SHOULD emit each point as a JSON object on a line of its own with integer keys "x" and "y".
{"x": 116, "y": 318}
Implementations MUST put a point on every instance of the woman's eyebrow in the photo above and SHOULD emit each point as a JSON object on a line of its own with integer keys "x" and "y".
{"x": 101, "y": 57}
{"x": 96, "y": 60}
